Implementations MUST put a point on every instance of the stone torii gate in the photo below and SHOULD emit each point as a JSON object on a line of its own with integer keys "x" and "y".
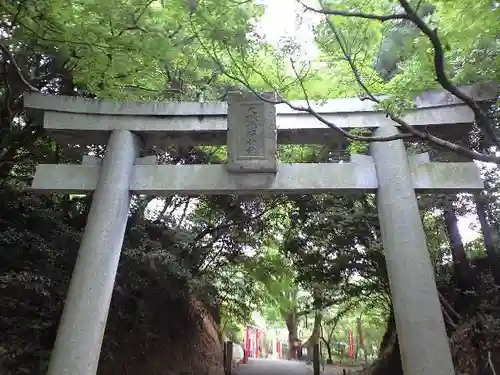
{"x": 253, "y": 131}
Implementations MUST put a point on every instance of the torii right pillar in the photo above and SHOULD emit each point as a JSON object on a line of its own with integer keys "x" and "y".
{"x": 421, "y": 330}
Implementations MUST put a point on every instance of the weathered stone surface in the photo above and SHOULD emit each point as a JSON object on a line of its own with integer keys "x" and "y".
{"x": 147, "y": 160}
{"x": 449, "y": 177}
{"x": 251, "y": 133}
{"x": 421, "y": 331}
{"x": 358, "y": 175}
{"x": 86, "y": 121}
{"x": 71, "y": 104}
{"x": 91, "y": 160}
{"x": 292, "y": 128}
{"x": 79, "y": 336}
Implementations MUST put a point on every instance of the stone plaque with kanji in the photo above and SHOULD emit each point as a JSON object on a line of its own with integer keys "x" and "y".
{"x": 251, "y": 134}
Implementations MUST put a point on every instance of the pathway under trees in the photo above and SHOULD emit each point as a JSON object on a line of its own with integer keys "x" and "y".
{"x": 257, "y": 366}
{"x": 273, "y": 367}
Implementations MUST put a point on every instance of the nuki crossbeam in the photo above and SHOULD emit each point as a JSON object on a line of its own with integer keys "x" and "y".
{"x": 359, "y": 175}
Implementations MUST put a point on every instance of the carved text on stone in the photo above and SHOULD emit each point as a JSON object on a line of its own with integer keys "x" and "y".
{"x": 252, "y": 141}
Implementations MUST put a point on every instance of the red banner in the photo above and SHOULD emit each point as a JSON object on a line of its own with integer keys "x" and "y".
{"x": 246, "y": 349}
{"x": 350, "y": 344}
{"x": 257, "y": 343}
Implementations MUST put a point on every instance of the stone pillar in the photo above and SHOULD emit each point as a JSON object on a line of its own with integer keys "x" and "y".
{"x": 419, "y": 321}
{"x": 251, "y": 133}
{"x": 79, "y": 337}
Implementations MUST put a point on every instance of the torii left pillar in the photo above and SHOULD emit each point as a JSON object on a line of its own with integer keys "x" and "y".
{"x": 79, "y": 337}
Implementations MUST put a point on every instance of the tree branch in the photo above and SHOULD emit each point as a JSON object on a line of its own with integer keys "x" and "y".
{"x": 230, "y": 224}
{"x": 481, "y": 118}
{"x": 343, "y": 13}
{"x": 307, "y": 109}
{"x": 409, "y": 131}
{"x": 404, "y": 125}
{"x": 490, "y": 362}
{"x": 13, "y": 61}
{"x": 299, "y": 108}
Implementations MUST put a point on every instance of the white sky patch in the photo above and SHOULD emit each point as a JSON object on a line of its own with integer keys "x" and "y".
{"x": 286, "y": 19}
{"x": 465, "y": 224}
{"x": 155, "y": 206}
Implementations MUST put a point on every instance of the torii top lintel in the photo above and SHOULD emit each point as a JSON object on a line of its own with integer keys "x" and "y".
{"x": 76, "y": 120}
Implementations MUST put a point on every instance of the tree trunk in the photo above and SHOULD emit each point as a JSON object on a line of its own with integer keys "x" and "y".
{"x": 461, "y": 265}
{"x": 361, "y": 341}
{"x": 329, "y": 361}
{"x": 330, "y": 338}
{"x": 316, "y": 332}
{"x": 488, "y": 238}
{"x": 291, "y": 325}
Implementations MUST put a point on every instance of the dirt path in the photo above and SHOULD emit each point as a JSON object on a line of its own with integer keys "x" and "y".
{"x": 272, "y": 367}
{"x": 334, "y": 370}
{"x": 283, "y": 367}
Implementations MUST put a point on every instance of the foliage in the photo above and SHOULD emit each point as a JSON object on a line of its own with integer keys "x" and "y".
{"x": 123, "y": 49}
{"x": 38, "y": 246}
{"x": 398, "y": 48}
{"x": 338, "y": 321}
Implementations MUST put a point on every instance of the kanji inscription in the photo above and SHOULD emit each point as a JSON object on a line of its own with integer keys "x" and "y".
{"x": 251, "y": 136}
{"x": 252, "y": 142}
